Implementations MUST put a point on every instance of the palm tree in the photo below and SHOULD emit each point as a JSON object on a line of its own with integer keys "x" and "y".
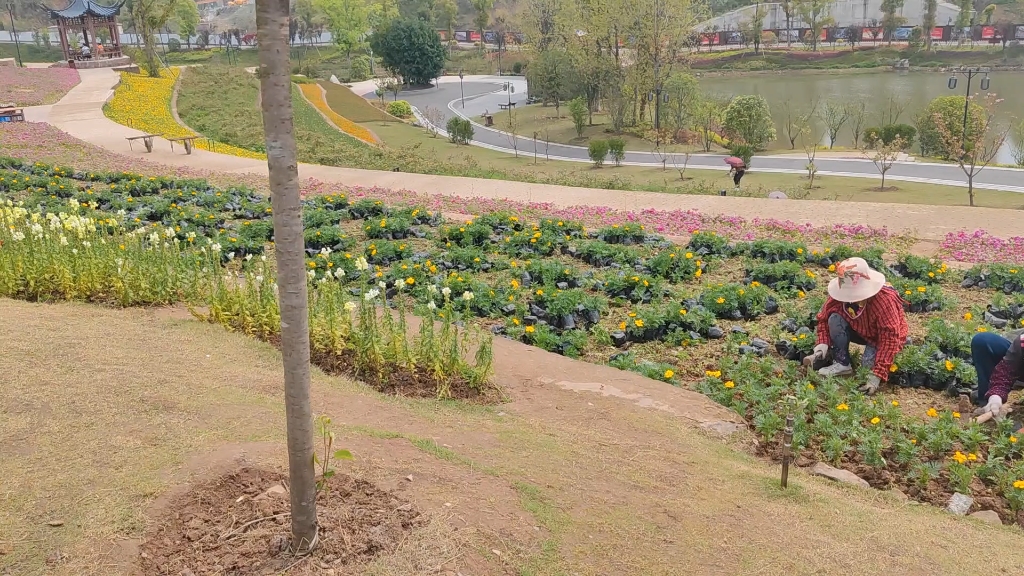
{"x": 276, "y": 102}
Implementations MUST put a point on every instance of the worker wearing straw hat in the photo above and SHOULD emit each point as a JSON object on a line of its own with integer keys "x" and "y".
{"x": 861, "y": 309}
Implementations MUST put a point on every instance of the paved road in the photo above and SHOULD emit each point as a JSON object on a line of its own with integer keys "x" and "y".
{"x": 485, "y": 94}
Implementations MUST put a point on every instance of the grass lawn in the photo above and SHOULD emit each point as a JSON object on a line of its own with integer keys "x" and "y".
{"x": 709, "y": 181}
{"x": 541, "y": 118}
{"x": 114, "y": 429}
{"x": 350, "y": 105}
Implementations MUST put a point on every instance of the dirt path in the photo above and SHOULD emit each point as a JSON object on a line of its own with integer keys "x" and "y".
{"x": 104, "y": 411}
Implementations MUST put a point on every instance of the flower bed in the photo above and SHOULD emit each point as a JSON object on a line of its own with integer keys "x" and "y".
{"x": 525, "y": 279}
{"x": 315, "y": 95}
{"x": 144, "y": 103}
{"x": 35, "y": 86}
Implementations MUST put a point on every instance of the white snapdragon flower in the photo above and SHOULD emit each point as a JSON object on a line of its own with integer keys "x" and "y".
{"x": 371, "y": 294}
{"x": 467, "y": 296}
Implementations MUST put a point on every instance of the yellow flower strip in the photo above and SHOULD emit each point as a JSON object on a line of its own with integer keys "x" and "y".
{"x": 144, "y": 103}
{"x": 314, "y": 93}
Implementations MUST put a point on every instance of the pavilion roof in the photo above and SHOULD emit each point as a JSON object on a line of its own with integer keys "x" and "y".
{"x": 79, "y": 8}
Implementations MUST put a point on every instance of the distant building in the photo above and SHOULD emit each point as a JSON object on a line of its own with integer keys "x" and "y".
{"x": 845, "y": 13}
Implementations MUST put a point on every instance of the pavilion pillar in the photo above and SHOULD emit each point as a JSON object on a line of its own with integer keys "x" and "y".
{"x": 92, "y": 32}
{"x": 64, "y": 46}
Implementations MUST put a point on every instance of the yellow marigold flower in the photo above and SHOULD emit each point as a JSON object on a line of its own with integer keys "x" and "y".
{"x": 1019, "y": 484}
{"x": 1013, "y": 439}
{"x": 893, "y": 368}
{"x": 530, "y": 329}
{"x": 956, "y": 415}
{"x": 312, "y": 264}
{"x": 713, "y": 373}
{"x": 720, "y": 300}
{"x": 810, "y": 386}
{"x": 959, "y": 457}
{"x": 831, "y": 267}
{"x": 842, "y": 406}
{"x": 931, "y": 274}
{"x": 639, "y": 323}
{"x": 622, "y": 325}
{"x": 913, "y": 440}
{"x": 729, "y": 384}
{"x": 921, "y": 289}
{"x": 755, "y": 284}
{"x": 698, "y": 273}
{"x": 933, "y": 413}
{"x": 982, "y": 329}
{"x": 972, "y": 457}
{"x": 682, "y": 312}
{"x": 895, "y": 403}
{"x": 410, "y": 280}
{"x": 968, "y": 316}
{"x": 669, "y": 373}
{"x": 799, "y": 250}
{"x": 515, "y": 321}
{"x": 907, "y": 292}
{"x": 950, "y": 366}
{"x": 540, "y": 292}
{"x": 800, "y": 294}
{"x": 876, "y": 420}
{"x": 689, "y": 255}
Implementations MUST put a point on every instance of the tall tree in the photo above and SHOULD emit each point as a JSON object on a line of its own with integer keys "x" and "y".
{"x": 975, "y": 144}
{"x": 757, "y": 25}
{"x": 891, "y": 19}
{"x": 815, "y": 13}
{"x": 382, "y": 13}
{"x": 482, "y": 16}
{"x": 446, "y": 15}
{"x": 416, "y": 9}
{"x": 276, "y": 103}
{"x": 149, "y": 16}
{"x": 348, "y": 22}
{"x": 928, "y": 22}
{"x": 788, "y": 9}
{"x": 186, "y": 16}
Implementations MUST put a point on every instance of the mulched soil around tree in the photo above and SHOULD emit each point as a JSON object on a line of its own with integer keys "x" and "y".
{"x": 238, "y": 524}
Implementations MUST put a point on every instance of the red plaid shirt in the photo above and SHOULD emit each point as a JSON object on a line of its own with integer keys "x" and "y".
{"x": 882, "y": 323}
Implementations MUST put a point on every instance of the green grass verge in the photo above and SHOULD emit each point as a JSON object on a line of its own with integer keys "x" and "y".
{"x": 31, "y": 52}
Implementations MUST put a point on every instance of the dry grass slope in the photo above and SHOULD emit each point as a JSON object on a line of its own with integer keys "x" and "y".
{"x": 106, "y": 410}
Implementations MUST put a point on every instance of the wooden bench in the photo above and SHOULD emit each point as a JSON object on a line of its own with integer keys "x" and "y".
{"x": 187, "y": 141}
{"x": 12, "y": 115}
{"x": 507, "y": 106}
{"x": 147, "y": 139}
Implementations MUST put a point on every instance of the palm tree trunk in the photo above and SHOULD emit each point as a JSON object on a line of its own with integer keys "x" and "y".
{"x": 275, "y": 86}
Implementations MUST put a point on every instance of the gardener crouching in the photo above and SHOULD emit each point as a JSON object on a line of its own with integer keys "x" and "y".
{"x": 998, "y": 362}
{"x": 861, "y": 309}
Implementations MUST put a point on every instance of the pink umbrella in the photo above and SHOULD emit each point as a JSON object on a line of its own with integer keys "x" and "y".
{"x": 735, "y": 162}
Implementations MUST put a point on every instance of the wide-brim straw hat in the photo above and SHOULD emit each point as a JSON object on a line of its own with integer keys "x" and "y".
{"x": 855, "y": 281}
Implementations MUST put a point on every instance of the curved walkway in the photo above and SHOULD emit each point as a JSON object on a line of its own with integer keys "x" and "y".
{"x": 80, "y": 113}
{"x": 486, "y": 93}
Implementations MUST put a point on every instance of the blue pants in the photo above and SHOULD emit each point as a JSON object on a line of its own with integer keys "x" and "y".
{"x": 841, "y": 333}
{"x": 987, "y": 350}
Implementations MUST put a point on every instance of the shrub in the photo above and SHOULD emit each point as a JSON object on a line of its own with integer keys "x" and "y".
{"x": 173, "y": 45}
{"x": 744, "y": 152}
{"x": 460, "y": 130}
{"x": 517, "y": 68}
{"x": 360, "y": 69}
{"x": 951, "y": 110}
{"x": 893, "y": 131}
{"x": 598, "y": 150}
{"x": 578, "y": 111}
{"x": 400, "y": 109}
{"x": 748, "y": 117}
{"x": 617, "y": 148}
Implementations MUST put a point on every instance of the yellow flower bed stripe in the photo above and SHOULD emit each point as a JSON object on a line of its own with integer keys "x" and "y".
{"x": 144, "y": 103}
{"x": 314, "y": 93}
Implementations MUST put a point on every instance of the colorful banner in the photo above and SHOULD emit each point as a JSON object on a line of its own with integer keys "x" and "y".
{"x": 988, "y": 32}
{"x": 937, "y": 33}
{"x": 872, "y": 34}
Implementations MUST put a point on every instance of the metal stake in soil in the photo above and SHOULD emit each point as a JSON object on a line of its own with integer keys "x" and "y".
{"x": 787, "y": 446}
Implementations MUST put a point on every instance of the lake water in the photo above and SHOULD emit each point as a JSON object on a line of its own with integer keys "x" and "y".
{"x": 918, "y": 88}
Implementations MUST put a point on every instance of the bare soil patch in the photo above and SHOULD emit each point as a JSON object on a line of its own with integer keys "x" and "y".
{"x": 238, "y": 524}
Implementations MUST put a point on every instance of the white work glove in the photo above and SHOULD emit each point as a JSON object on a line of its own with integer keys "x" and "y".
{"x": 819, "y": 354}
{"x": 871, "y": 386}
{"x": 994, "y": 407}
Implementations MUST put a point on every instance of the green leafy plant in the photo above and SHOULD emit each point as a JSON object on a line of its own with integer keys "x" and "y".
{"x": 327, "y": 455}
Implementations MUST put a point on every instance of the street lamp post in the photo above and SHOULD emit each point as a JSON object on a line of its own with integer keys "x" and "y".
{"x": 14, "y": 31}
{"x": 510, "y": 89}
{"x": 657, "y": 97}
{"x": 463, "y": 89}
{"x": 970, "y": 73}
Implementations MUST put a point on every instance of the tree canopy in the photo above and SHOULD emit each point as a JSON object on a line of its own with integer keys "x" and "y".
{"x": 410, "y": 49}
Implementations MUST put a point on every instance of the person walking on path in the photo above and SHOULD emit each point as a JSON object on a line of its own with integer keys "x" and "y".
{"x": 860, "y": 309}
{"x": 999, "y": 362}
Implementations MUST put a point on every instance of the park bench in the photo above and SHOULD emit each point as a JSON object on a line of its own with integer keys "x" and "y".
{"x": 187, "y": 141}
{"x": 147, "y": 139}
{"x": 12, "y": 115}
{"x": 507, "y": 105}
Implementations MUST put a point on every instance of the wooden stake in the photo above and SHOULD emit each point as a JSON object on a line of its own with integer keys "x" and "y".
{"x": 787, "y": 446}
